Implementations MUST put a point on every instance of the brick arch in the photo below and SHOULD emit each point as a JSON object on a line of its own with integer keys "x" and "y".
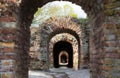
{"x": 27, "y": 8}
{"x": 26, "y": 11}
{"x": 63, "y": 53}
{"x": 57, "y": 25}
{"x": 92, "y": 8}
{"x": 68, "y": 38}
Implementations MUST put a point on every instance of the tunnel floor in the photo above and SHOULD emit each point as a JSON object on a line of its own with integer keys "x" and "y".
{"x": 60, "y": 73}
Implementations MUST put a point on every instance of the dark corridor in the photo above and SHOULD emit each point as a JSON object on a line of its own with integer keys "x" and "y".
{"x": 58, "y": 48}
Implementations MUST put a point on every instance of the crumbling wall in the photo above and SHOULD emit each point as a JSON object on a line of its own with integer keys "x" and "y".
{"x": 104, "y": 37}
{"x": 7, "y": 38}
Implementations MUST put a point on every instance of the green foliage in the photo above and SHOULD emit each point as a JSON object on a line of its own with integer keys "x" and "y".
{"x": 70, "y": 11}
{"x": 51, "y": 10}
{"x": 83, "y": 20}
{"x": 38, "y": 12}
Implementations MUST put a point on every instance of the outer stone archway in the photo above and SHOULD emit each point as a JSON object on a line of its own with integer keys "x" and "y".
{"x": 92, "y": 8}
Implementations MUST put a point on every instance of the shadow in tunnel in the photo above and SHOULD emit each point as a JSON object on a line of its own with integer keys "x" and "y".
{"x": 60, "y": 47}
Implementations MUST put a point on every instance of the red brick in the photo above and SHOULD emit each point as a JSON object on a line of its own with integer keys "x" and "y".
{"x": 1, "y": 56}
{"x": 10, "y": 56}
{"x": 112, "y": 55}
{"x": 8, "y": 31}
{"x": 9, "y": 37}
{"x": 7, "y": 19}
{"x": 7, "y": 49}
{"x": 110, "y": 43}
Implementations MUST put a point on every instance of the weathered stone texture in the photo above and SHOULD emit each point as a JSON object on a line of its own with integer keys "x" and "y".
{"x": 7, "y": 39}
{"x": 7, "y": 52}
{"x": 104, "y": 36}
{"x": 112, "y": 55}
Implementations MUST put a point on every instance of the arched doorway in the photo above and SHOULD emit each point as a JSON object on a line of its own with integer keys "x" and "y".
{"x": 63, "y": 58}
{"x": 59, "y": 47}
{"x": 75, "y": 47}
{"x": 28, "y": 8}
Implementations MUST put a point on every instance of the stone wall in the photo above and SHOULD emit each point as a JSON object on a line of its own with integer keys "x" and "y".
{"x": 96, "y": 41}
{"x": 111, "y": 28}
{"x": 68, "y": 38}
{"x": 49, "y": 27}
{"x": 7, "y": 39}
{"x": 104, "y": 52}
{"x": 59, "y": 25}
{"x": 104, "y": 37}
{"x": 7, "y": 52}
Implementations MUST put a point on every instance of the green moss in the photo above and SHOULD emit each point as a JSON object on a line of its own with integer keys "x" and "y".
{"x": 38, "y": 12}
{"x": 109, "y": 12}
{"x": 67, "y": 7}
{"x": 112, "y": 1}
{"x": 70, "y": 10}
{"x": 74, "y": 15}
{"x": 53, "y": 10}
{"x": 112, "y": 5}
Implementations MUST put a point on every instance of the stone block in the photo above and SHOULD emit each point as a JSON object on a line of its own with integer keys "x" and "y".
{"x": 115, "y": 73}
{"x": 110, "y": 43}
{"x": 8, "y": 75}
{"x": 109, "y": 12}
{"x": 7, "y": 19}
{"x": 10, "y": 56}
{"x": 1, "y": 56}
{"x": 112, "y": 55}
{"x": 6, "y": 30}
{"x": 8, "y": 49}
{"x": 8, "y": 24}
{"x": 110, "y": 37}
{"x": 108, "y": 61}
{"x": 107, "y": 67}
{"x": 112, "y": 1}
{"x": 9, "y": 38}
{"x": 110, "y": 49}
{"x": 8, "y": 62}
{"x": 109, "y": 25}
{"x": 112, "y": 5}
{"x": 118, "y": 33}
{"x": 118, "y": 50}
{"x": 7, "y": 44}
{"x": 108, "y": 75}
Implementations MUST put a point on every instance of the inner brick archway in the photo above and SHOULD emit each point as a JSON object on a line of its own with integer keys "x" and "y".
{"x": 63, "y": 58}
{"x": 60, "y": 47}
{"x": 75, "y": 49}
{"x": 49, "y": 33}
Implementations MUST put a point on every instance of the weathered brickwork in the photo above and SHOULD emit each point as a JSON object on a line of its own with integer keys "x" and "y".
{"x": 69, "y": 38}
{"x": 7, "y": 51}
{"x": 56, "y": 26}
{"x": 111, "y": 48}
{"x": 7, "y": 40}
{"x": 104, "y": 36}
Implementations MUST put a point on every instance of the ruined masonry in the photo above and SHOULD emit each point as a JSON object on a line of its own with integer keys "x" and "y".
{"x": 104, "y": 38}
